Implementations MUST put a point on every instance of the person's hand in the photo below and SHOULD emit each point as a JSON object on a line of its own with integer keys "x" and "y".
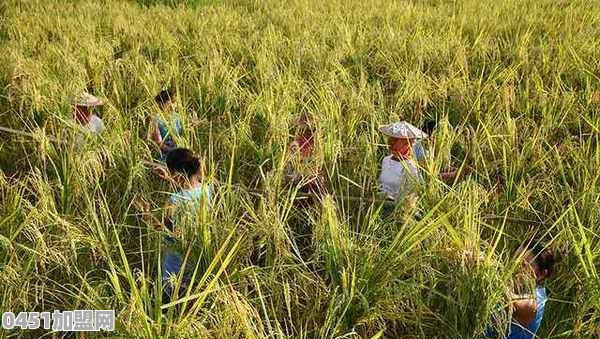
{"x": 464, "y": 256}
{"x": 162, "y": 172}
{"x": 465, "y": 171}
{"x": 144, "y": 210}
{"x": 141, "y": 205}
{"x": 449, "y": 175}
{"x": 293, "y": 147}
{"x": 472, "y": 257}
{"x": 167, "y": 147}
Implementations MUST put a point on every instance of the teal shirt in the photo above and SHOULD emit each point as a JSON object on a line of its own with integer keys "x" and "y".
{"x": 172, "y": 127}
{"x": 187, "y": 203}
{"x": 167, "y": 129}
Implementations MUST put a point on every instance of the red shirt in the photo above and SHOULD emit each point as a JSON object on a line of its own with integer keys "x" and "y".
{"x": 305, "y": 144}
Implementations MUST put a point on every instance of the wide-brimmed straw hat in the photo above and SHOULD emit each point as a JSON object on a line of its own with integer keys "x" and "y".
{"x": 402, "y": 130}
{"x": 86, "y": 100}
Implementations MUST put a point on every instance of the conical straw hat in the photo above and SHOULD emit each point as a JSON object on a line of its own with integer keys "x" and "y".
{"x": 402, "y": 130}
{"x": 87, "y": 100}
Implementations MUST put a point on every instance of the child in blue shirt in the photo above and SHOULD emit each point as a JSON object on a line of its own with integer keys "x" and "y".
{"x": 184, "y": 172}
{"x": 165, "y": 125}
{"x": 528, "y": 309}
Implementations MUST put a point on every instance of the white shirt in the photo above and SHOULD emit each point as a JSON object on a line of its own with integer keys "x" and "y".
{"x": 95, "y": 125}
{"x": 399, "y": 178}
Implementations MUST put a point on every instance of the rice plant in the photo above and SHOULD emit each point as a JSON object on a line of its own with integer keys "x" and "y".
{"x": 513, "y": 85}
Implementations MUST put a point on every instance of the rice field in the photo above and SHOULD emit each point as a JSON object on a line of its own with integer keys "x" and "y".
{"x": 514, "y": 86}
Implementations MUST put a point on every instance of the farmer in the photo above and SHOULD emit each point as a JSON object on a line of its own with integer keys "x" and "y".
{"x": 166, "y": 124}
{"x": 302, "y": 167}
{"x": 528, "y": 309}
{"x": 400, "y": 176}
{"x": 528, "y": 312}
{"x": 184, "y": 172}
{"x": 421, "y": 154}
{"x": 83, "y": 112}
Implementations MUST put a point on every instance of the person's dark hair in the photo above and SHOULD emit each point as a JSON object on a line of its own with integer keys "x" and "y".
{"x": 543, "y": 257}
{"x": 429, "y": 126}
{"x": 182, "y": 160}
{"x": 164, "y": 96}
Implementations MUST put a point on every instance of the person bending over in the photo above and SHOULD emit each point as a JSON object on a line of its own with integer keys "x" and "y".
{"x": 302, "y": 167}
{"x": 83, "y": 106}
{"x": 400, "y": 174}
{"x": 538, "y": 262}
{"x": 529, "y": 308}
{"x": 184, "y": 172}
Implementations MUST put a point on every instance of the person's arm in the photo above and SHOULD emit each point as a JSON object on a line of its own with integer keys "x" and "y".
{"x": 144, "y": 211}
{"x": 168, "y": 219}
{"x": 155, "y": 133}
{"x": 289, "y": 170}
{"x": 524, "y": 311}
{"x": 448, "y": 176}
{"x": 163, "y": 173}
{"x": 101, "y": 126}
{"x": 293, "y": 147}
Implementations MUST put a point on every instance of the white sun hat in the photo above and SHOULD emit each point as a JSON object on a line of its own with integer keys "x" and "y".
{"x": 402, "y": 130}
{"x": 87, "y": 100}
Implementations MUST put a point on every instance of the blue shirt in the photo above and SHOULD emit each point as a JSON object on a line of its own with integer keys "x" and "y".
{"x": 419, "y": 151}
{"x": 167, "y": 129}
{"x": 519, "y": 332}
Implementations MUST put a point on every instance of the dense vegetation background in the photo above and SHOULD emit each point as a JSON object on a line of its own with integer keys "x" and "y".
{"x": 516, "y": 88}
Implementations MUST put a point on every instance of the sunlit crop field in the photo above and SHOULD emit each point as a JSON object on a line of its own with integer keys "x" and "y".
{"x": 514, "y": 86}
